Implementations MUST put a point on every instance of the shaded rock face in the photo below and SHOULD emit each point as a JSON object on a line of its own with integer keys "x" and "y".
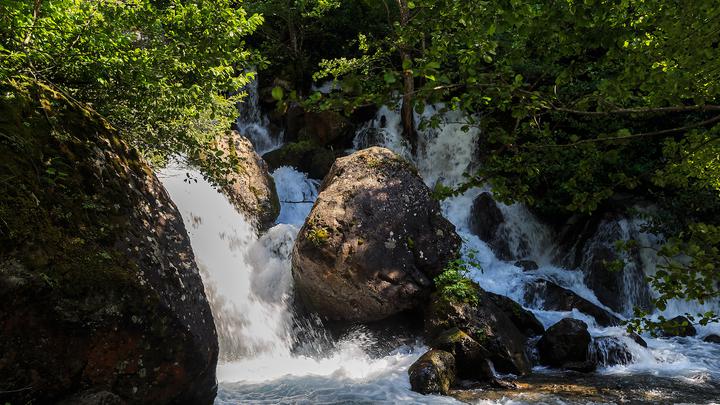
{"x": 565, "y": 345}
{"x": 504, "y": 341}
{"x": 325, "y": 127}
{"x": 678, "y": 326}
{"x": 98, "y": 281}
{"x": 485, "y": 222}
{"x": 523, "y": 319}
{"x": 712, "y": 339}
{"x": 550, "y": 296}
{"x": 433, "y": 373}
{"x": 305, "y": 156}
{"x": 589, "y": 245}
{"x": 373, "y": 242}
{"x": 250, "y": 187}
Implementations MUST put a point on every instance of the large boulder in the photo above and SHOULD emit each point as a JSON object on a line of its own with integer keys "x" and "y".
{"x": 566, "y": 344}
{"x": 325, "y": 127}
{"x": 471, "y": 359}
{"x": 550, "y": 296}
{"x": 249, "y": 186}
{"x": 373, "y": 242}
{"x": 98, "y": 283}
{"x": 610, "y": 351}
{"x": 503, "y": 339}
{"x": 433, "y": 373}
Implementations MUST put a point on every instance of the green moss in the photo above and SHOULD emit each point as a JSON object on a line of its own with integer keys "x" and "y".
{"x": 62, "y": 218}
{"x": 318, "y": 235}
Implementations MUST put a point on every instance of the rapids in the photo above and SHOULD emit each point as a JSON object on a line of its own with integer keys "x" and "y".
{"x": 270, "y": 355}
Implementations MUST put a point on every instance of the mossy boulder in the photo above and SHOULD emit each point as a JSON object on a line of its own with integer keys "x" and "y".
{"x": 249, "y": 186}
{"x": 433, "y": 373}
{"x": 498, "y": 330}
{"x": 98, "y": 282}
{"x": 373, "y": 242}
{"x": 471, "y": 358}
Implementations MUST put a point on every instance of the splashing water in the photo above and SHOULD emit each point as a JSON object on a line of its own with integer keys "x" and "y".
{"x": 269, "y": 355}
{"x": 253, "y": 124}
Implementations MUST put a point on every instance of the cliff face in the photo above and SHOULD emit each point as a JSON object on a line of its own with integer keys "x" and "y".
{"x": 99, "y": 289}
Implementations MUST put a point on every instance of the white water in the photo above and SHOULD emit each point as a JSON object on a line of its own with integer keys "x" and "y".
{"x": 269, "y": 355}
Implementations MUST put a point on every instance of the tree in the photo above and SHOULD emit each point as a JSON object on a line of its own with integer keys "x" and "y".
{"x": 165, "y": 74}
{"x": 579, "y": 102}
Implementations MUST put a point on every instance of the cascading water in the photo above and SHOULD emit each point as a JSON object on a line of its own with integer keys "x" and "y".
{"x": 270, "y": 355}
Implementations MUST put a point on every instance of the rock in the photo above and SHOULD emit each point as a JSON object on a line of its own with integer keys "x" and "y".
{"x": 678, "y": 326}
{"x": 485, "y": 222}
{"x": 94, "y": 398}
{"x": 589, "y": 244}
{"x": 250, "y": 187}
{"x": 98, "y": 282}
{"x": 523, "y": 319}
{"x": 433, "y": 373}
{"x": 638, "y": 339}
{"x": 566, "y": 342}
{"x": 487, "y": 324}
{"x": 550, "y": 296}
{"x": 325, "y": 127}
{"x": 712, "y": 339}
{"x": 609, "y": 351}
{"x": 527, "y": 265}
{"x": 305, "y": 156}
{"x": 373, "y": 242}
{"x": 294, "y": 122}
{"x": 470, "y": 357}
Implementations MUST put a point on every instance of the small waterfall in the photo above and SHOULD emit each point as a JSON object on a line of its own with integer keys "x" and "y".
{"x": 252, "y": 124}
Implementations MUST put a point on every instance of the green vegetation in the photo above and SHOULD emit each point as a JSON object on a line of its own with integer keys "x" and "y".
{"x": 318, "y": 235}
{"x": 453, "y": 285}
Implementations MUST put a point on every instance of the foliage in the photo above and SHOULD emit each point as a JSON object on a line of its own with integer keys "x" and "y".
{"x": 166, "y": 74}
{"x": 580, "y": 103}
{"x": 453, "y": 283}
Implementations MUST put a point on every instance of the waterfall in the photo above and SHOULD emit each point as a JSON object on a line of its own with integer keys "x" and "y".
{"x": 252, "y": 124}
{"x": 271, "y": 355}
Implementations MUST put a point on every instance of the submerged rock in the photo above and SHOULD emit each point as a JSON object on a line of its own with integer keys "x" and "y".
{"x": 566, "y": 345}
{"x": 486, "y": 323}
{"x": 249, "y": 187}
{"x": 712, "y": 339}
{"x": 550, "y": 296}
{"x": 374, "y": 240}
{"x": 98, "y": 282}
{"x": 433, "y": 373}
{"x": 609, "y": 351}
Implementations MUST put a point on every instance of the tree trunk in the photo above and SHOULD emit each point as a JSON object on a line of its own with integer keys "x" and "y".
{"x": 406, "y": 111}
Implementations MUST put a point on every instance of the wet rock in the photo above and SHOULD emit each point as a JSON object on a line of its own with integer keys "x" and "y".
{"x": 523, "y": 319}
{"x": 527, "y": 265}
{"x": 325, "y": 127}
{"x": 638, "y": 339}
{"x": 609, "y": 351}
{"x": 250, "y": 188}
{"x": 94, "y": 398}
{"x": 678, "y": 326}
{"x": 712, "y": 339}
{"x": 487, "y": 324}
{"x": 98, "y": 282}
{"x": 470, "y": 357}
{"x": 565, "y": 343}
{"x": 305, "y": 156}
{"x": 433, "y": 373}
{"x": 589, "y": 244}
{"x": 550, "y": 296}
{"x": 374, "y": 240}
{"x": 294, "y": 122}
{"x": 485, "y": 222}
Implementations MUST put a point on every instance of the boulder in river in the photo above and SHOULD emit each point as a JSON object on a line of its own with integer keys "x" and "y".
{"x": 566, "y": 345}
{"x": 503, "y": 341}
{"x": 98, "y": 283}
{"x": 470, "y": 357}
{"x": 249, "y": 186}
{"x": 610, "y": 351}
{"x": 373, "y": 242}
{"x": 713, "y": 338}
{"x": 550, "y": 296}
{"x": 678, "y": 326}
{"x": 433, "y": 373}
{"x": 486, "y": 220}
{"x": 306, "y": 156}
